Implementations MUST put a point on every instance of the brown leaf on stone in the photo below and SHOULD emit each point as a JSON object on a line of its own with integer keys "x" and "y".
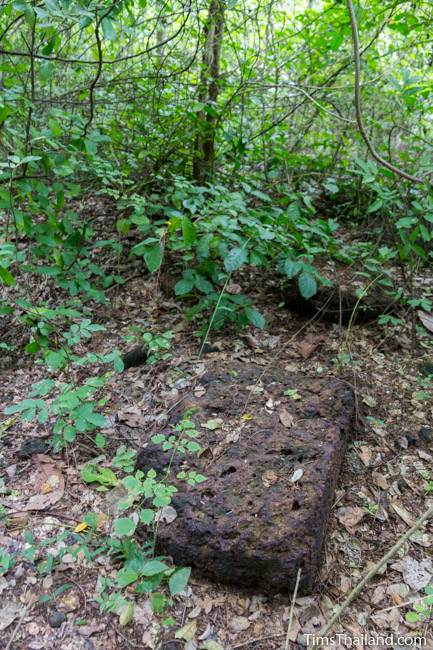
{"x": 310, "y": 344}
{"x": 269, "y": 477}
{"x": 287, "y": 419}
{"x": 350, "y": 517}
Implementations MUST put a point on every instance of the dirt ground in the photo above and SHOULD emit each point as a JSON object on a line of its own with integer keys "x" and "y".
{"x": 385, "y": 485}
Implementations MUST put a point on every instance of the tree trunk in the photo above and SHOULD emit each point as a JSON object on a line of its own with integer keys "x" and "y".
{"x": 204, "y": 145}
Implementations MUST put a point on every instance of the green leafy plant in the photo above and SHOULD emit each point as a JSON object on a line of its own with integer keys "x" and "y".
{"x": 158, "y": 346}
{"x": 422, "y": 610}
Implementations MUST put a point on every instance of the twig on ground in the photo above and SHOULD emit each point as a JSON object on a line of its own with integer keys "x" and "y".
{"x": 376, "y": 568}
{"x": 26, "y": 611}
{"x": 292, "y": 609}
{"x": 249, "y": 643}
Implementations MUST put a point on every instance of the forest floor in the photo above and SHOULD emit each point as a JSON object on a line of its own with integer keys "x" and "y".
{"x": 385, "y": 484}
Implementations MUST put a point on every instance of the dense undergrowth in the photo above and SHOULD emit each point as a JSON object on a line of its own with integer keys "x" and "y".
{"x": 207, "y": 165}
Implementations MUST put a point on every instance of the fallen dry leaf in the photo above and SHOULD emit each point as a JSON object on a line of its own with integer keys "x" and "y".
{"x": 232, "y": 436}
{"x": 294, "y": 630}
{"x": 287, "y": 419}
{"x": 70, "y": 601}
{"x": 378, "y": 595}
{"x": 187, "y": 632}
{"x": 345, "y": 585}
{"x": 167, "y": 514}
{"x": 365, "y": 455}
{"x": 132, "y": 416}
{"x": 387, "y": 619}
{"x": 233, "y": 288}
{"x": 310, "y": 344}
{"x": 143, "y": 614}
{"x": 380, "y": 480}
{"x": 426, "y": 319}
{"x": 211, "y": 645}
{"x": 403, "y": 514}
{"x": 213, "y": 424}
{"x": 195, "y": 612}
{"x": 350, "y": 517}
{"x": 239, "y": 624}
{"x": 398, "y": 592}
{"x": 252, "y": 341}
{"x": 47, "y": 482}
{"x": 8, "y": 613}
{"x": 114, "y": 498}
{"x": 272, "y": 342}
{"x": 297, "y": 474}
{"x": 417, "y": 575}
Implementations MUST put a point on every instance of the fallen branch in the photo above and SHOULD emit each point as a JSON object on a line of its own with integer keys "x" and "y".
{"x": 292, "y": 609}
{"x": 375, "y": 569}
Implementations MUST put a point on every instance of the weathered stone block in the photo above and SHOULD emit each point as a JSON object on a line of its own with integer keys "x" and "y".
{"x": 271, "y": 470}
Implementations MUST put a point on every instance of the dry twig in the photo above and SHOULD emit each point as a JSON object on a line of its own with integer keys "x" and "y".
{"x": 375, "y": 569}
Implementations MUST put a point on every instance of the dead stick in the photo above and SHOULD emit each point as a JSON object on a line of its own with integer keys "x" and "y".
{"x": 377, "y": 567}
{"x": 249, "y": 643}
{"x": 25, "y": 611}
{"x": 292, "y": 608}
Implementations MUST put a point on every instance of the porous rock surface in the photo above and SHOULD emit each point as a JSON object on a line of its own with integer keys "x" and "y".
{"x": 257, "y": 519}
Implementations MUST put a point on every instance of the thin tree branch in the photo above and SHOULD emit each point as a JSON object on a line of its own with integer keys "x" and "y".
{"x": 104, "y": 61}
{"x": 358, "y": 108}
{"x": 98, "y": 72}
{"x": 11, "y": 24}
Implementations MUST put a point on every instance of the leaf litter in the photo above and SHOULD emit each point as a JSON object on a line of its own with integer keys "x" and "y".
{"x": 380, "y": 473}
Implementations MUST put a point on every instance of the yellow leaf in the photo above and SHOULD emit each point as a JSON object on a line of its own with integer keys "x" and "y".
{"x": 187, "y": 632}
{"x": 80, "y": 527}
{"x": 126, "y": 614}
{"x": 247, "y": 416}
{"x": 6, "y": 424}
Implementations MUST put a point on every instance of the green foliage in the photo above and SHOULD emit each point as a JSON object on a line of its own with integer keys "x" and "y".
{"x": 124, "y": 459}
{"x": 72, "y": 409}
{"x": 144, "y": 496}
{"x": 423, "y": 609}
{"x": 99, "y": 135}
{"x": 92, "y": 473}
{"x": 158, "y": 346}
